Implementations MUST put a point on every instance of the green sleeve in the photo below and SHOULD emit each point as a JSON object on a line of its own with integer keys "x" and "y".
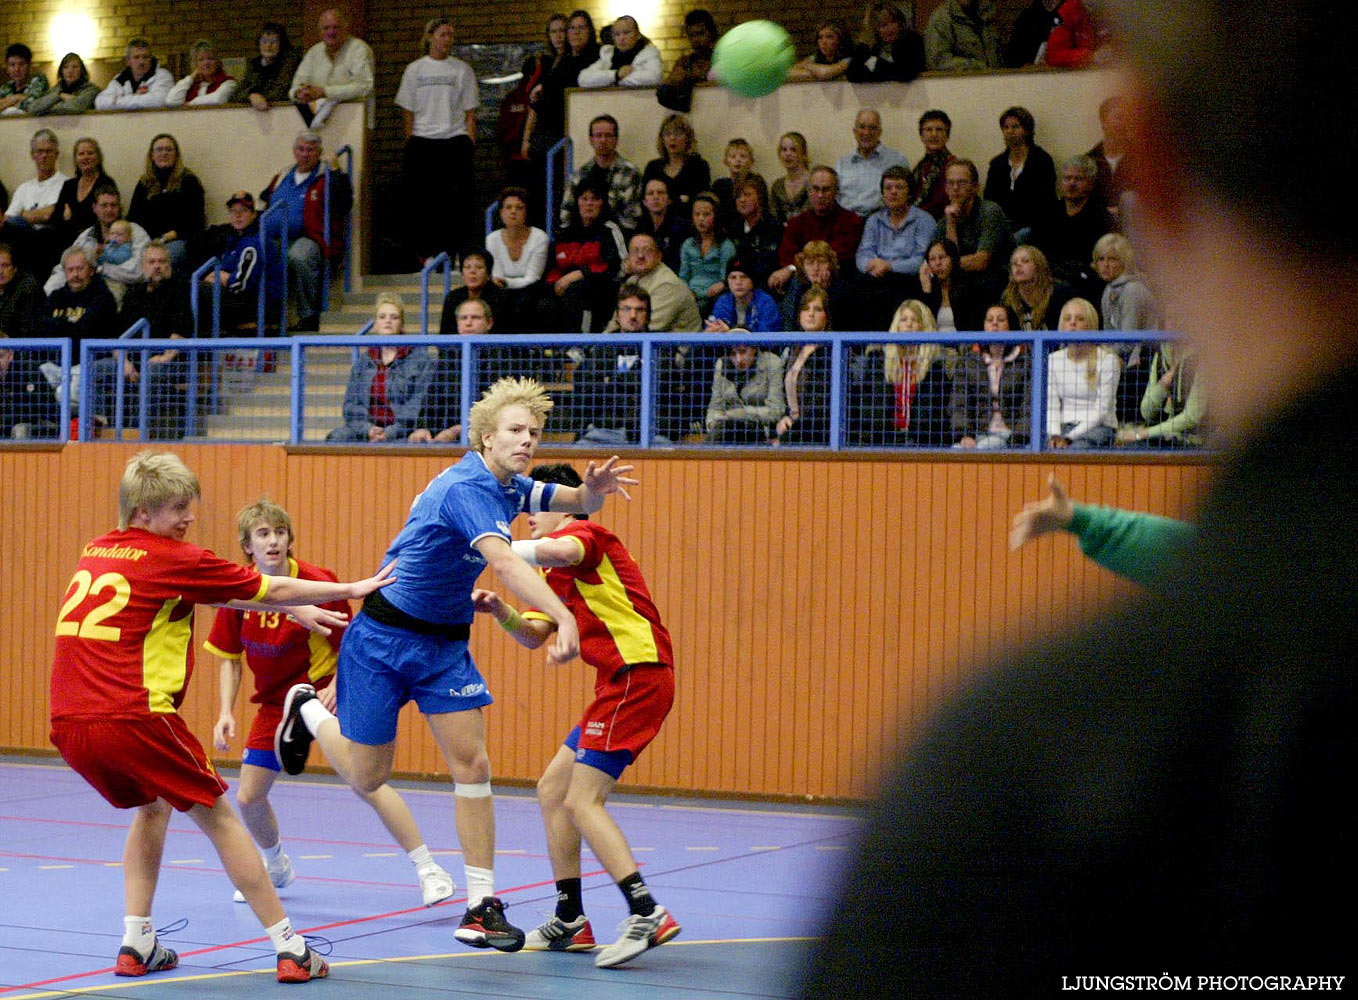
{"x": 1141, "y": 547}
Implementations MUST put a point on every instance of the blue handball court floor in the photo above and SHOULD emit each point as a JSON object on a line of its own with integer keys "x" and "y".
{"x": 749, "y": 883}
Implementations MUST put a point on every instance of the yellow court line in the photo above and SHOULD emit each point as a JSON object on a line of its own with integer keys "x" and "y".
{"x": 525, "y": 955}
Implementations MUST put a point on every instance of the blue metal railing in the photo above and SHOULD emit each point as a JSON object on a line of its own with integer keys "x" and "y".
{"x": 440, "y": 263}
{"x": 491, "y": 209}
{"x": 46, "y": 346}
{"x": 275, "y": 220}
{"x": 562, "y": 149}
{"x": 472, "y": 347}
{"x": 212, "y": 264}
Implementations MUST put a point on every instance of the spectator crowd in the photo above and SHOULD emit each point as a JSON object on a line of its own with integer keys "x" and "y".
{"x": 901, "y": 240}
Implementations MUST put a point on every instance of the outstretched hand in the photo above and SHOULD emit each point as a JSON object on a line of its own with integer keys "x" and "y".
{"x": 610, "y": 477}
{"x": 360, "y": 589}
{"x": 317, "y": 619}
{"x": 1041, "y": 517}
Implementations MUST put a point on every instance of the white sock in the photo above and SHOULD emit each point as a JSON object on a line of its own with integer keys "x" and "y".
{"x": 271, "y": 854}
{"x": 480, "y": 884}
{"x": 285, "y": 940}
{"x": 421, "y": 858}
{"x": 139, "y": 933}
{"x": 313, "y": 713}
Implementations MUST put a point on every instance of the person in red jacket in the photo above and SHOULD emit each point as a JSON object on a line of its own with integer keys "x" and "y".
{"x": 1073, "y": 42}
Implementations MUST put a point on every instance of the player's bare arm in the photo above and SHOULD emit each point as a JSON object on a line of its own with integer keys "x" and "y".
{"x": 228, "y": 685}
{"x": 527, "y": 632}
{"x": 600, "y": 481}
{"x": 285, "y": 591}
{"x": 525, "y": 583}
{"x": 548, "y": 552}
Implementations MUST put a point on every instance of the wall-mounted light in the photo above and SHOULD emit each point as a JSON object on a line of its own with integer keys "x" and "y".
{"x": 72, "y": 31}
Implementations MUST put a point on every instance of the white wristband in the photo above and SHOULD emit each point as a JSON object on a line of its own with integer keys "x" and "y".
{"x": 527, "y": 550}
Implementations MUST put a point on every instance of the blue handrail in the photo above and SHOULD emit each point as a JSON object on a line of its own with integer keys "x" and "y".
{"x": 442, "y": 263}
{"x": 565, "y": 149}
{"x": 195, "y": 284}
{"x": 491, "y": 209}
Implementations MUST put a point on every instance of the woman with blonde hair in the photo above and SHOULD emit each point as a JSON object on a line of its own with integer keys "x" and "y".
{"x": 388, "y": 383}
{"x": 1127, "y": 304}
{"x": 678, "y": 162}
{"x": 1032, "y": 293}
{"x": 788, "y": 194}
{"x": 74, "y": 210}
{"x": 817, "y": 267}
{"x": 207, "y": 84}
{"x": 903, "y": 398}
{"x": 1082, "y": 385}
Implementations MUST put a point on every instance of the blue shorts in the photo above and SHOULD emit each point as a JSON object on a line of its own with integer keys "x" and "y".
{"x": 611, "y": 762}
{"x": 261, "y": 758}
{"x": 382, "y": 667}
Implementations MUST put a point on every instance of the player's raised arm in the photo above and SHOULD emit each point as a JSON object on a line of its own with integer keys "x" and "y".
{"x": 600, "y": 481}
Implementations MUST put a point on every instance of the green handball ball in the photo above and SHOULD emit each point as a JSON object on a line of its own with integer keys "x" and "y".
{"x": 753, "y": 58}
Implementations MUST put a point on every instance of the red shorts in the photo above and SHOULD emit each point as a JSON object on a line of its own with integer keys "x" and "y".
{"x": 133, "y": 762}
{"x": 265, "y": 725}
{"x": 627, "y": 711}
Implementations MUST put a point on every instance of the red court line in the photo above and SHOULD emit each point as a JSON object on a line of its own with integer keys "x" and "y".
{"x": 40, "y": 984}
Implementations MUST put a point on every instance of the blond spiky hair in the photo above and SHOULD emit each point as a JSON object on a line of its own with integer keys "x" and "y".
{"x": 485, "y": 413}
{"x": 150, "y": 481}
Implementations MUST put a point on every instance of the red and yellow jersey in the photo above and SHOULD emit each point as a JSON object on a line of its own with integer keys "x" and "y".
{"x": 279, "y": 652}
{"x": 619, "y": 624}
{"x": 124, "y": 644}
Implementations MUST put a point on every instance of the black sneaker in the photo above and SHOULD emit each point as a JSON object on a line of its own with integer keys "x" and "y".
{"x": 485, "y": 926}
{"x": 292, "y": 739}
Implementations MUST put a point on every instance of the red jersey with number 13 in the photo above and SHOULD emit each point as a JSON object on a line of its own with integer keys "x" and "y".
{"x": 124, "y": 647}
{"x": 619, "y": 624}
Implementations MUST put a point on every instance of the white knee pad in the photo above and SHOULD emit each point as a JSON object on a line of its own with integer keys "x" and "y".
{"x": 472, "y": 790}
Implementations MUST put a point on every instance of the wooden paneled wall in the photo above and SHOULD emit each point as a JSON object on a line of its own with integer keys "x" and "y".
{"x": 820, "y": 608}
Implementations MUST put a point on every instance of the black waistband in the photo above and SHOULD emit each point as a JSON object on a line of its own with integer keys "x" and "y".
{"x": 379, "y": 609}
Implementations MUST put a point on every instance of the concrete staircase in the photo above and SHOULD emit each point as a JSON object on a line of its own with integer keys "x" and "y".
{"x": 254, "y": 406}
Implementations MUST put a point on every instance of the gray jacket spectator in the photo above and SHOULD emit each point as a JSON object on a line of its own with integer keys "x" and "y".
{"x": 962, "y": 36}
{"x": 73, "y": 94}
{"x": 143, "y": 84}
{"x": 673, "y": 308}
{"x": 747, "y": 396}
{"x": 389, "y": 408}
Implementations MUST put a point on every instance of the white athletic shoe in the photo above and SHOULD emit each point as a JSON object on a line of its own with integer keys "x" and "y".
{"x": 281, "y": 874}
{"x": 436, "y": 885}
{"x": 635, "y": 935}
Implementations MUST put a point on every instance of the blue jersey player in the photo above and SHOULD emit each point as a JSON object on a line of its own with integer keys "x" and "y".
{"x": 413, "y": 643}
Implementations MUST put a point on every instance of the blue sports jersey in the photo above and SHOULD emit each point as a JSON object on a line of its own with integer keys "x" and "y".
{"x": 439, "y": 565}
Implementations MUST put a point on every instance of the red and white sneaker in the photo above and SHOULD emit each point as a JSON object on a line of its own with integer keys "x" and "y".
{"x": 485, "y": 926}
{"x": 636, "y": 934}
{"x": 292, "y": 969}
{"x": 131, "y": 962}
{"x": 560, "y": 935}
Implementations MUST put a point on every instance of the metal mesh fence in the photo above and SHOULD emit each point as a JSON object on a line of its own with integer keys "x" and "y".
{"x": 841, "y": 391}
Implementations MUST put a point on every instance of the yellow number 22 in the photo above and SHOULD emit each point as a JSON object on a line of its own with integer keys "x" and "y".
{"x": 91, "y": 627}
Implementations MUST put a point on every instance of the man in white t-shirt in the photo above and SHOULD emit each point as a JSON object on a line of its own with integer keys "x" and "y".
{"x": 438, "y": 98}
{"x": 26, "y": 224}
